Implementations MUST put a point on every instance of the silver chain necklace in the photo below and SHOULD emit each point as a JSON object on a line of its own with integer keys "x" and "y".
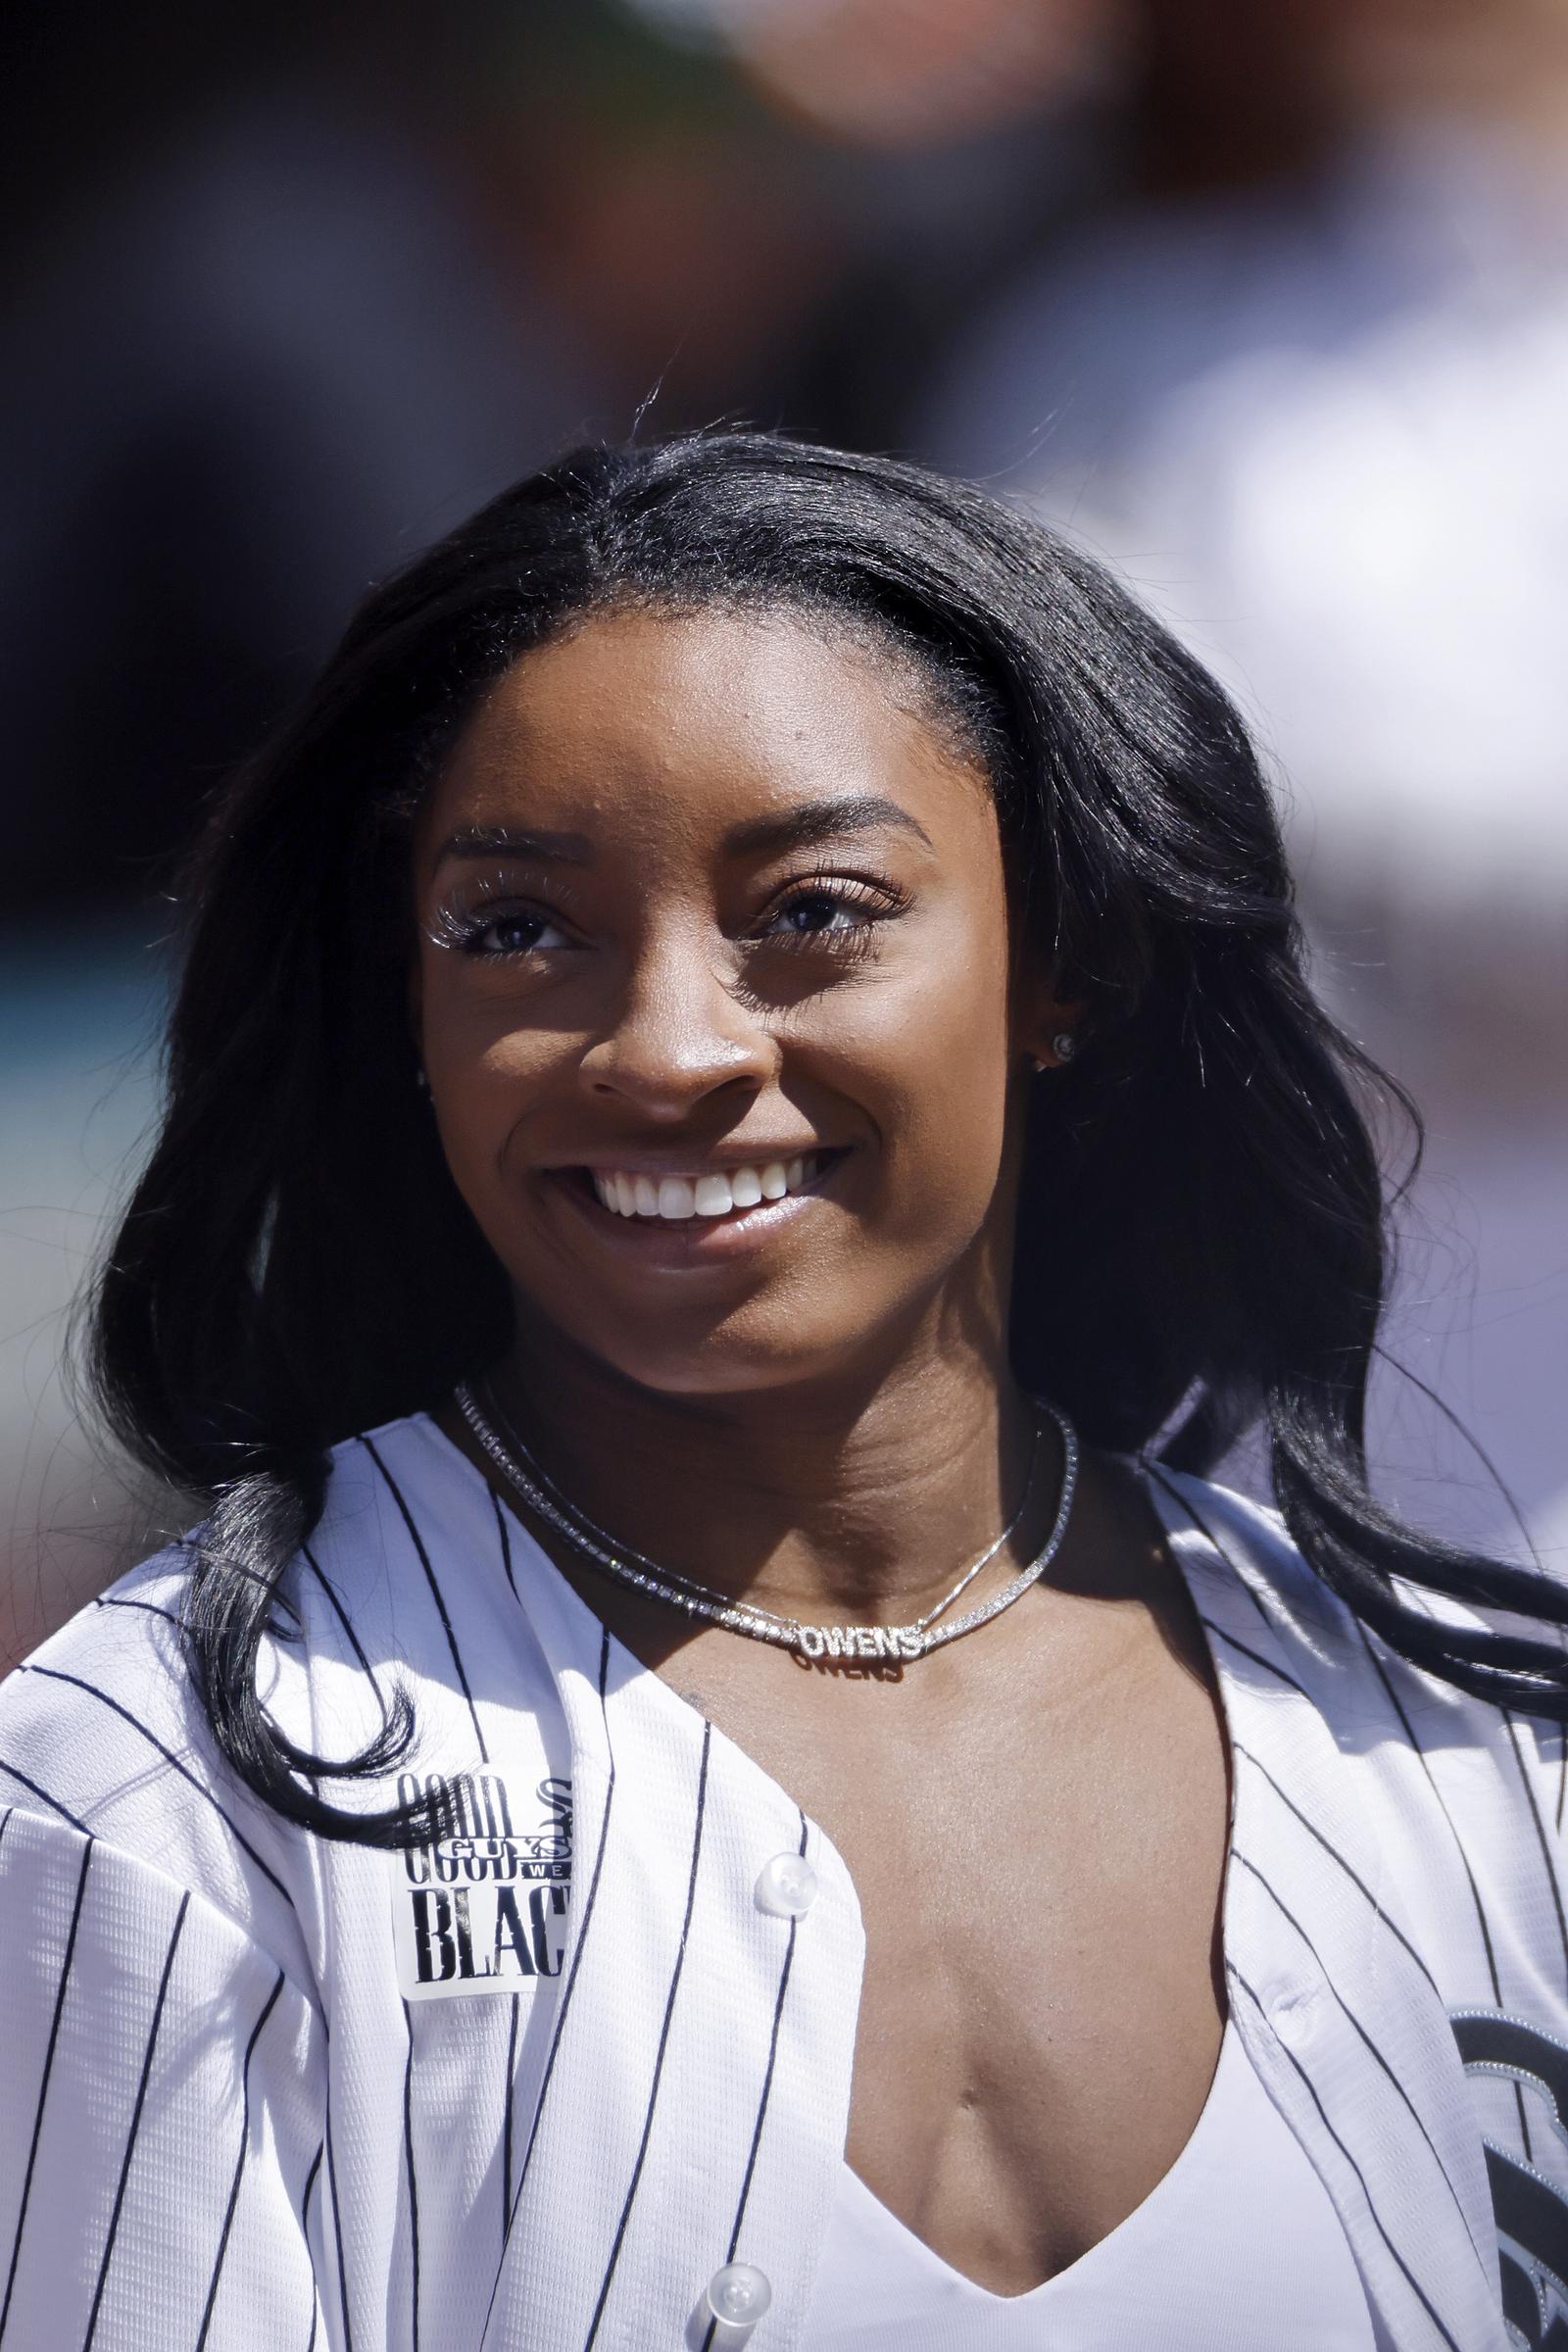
{"x": 514, "y": 1456}
{"x": 853, "y": 1642}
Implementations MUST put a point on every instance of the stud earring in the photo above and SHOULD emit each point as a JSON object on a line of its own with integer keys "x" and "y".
{"x": 1063, "y": 1047}
{"x": 422, "y": 1082}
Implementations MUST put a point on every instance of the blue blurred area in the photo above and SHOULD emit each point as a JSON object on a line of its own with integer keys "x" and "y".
{"x": 79, "y": 1010}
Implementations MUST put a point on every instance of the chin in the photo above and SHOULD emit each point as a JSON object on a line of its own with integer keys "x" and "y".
{"x": 717, "y": 1368}
{"x": 741, "y": 1355}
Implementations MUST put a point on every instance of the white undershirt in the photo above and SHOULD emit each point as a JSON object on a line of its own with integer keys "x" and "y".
{"x": 1238, "y": 2248}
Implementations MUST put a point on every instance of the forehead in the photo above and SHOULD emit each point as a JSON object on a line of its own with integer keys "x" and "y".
{"x": 694, "y": 720}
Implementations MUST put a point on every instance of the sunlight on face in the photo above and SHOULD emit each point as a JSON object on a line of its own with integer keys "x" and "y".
{"x": 714, "y": 1000}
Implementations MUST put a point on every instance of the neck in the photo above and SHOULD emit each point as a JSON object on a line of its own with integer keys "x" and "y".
{"x": 860, "y": 1500}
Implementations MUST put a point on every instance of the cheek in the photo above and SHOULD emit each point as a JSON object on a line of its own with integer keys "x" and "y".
{"x": 931, "y": 1060}
{"x": 487, "y": 1066}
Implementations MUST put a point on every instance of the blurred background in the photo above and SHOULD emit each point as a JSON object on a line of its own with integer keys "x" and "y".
{"x": 1267, "y": 305}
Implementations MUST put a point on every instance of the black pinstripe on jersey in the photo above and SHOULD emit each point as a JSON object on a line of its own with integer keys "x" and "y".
{"x": 347, "y": 1623}
{"x": 510, "y": 2098}
{"x": 43, "y": 2085}
{"x": 135, "y": 2123}
{"x": 1481, "y": 1922}
{"x": 506, "y": 1542}
{"x": 148, "y": 1609}
{"x": 170, "y": 1759}
{"x": 1371, "y": 2047}
{"x": 335, "y": 1599}
{"x": 569, "y": 1987}
{"x": 53, "y": 1803}
{"x": 1351, "y": 1873}
{"x": 1240, "y": 1749}
{"x": 504, "y": 1537}
{"x": 1406, "y": 2270}
{"x": 413, "y": 2186}
{"x": 436, "y": 1593}
{"x": 311, "y": 2178}
{"x": 767, "y": 2093}
{"x": 337, "y": 2231}
{"x": 240, "y": 2161}
{"x": 663, "y": 2040}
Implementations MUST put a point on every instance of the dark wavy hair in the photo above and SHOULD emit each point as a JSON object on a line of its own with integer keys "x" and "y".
{"x": 1201, "y": 1232}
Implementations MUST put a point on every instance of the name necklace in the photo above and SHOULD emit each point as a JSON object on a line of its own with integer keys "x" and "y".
{"x": 626, "y": 1566}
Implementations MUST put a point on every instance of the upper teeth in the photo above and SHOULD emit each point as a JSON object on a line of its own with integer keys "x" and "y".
{"x": 712, "y": 1195}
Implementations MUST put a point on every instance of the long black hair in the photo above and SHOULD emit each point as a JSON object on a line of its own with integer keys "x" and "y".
{"x": 1202, "y": 1229}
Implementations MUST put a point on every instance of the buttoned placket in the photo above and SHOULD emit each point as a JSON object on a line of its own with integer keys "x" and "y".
{"x": 685, "y": 2153}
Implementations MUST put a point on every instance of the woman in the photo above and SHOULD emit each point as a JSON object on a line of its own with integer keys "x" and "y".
{"x": 744, "y": 1118}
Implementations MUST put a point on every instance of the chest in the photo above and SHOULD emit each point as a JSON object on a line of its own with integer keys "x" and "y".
{"x": 1040, "y": 1888}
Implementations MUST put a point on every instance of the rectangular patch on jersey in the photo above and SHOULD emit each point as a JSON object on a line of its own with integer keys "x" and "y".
{"x": 481, "y": 1907}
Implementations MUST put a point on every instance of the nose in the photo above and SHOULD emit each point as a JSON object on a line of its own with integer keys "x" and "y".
{"x": 680, "y": 1035}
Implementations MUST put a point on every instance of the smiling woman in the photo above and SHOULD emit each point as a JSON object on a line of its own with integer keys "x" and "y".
{"x": 745, "y": 1120}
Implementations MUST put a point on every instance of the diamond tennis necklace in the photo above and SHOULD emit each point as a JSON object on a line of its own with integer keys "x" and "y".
{"x": 858, "y": 1641}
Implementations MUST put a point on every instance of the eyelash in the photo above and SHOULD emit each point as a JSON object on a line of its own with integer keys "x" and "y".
{"x": 467, "y": 932}
{"x": 876, "y": 901}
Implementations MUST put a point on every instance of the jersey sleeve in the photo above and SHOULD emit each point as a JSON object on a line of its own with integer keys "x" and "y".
{"x": 163, "y": 2127}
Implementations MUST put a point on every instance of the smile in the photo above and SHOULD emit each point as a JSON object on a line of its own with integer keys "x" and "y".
{"x": 711, "y": 1194}
{"x": 673, "y": 1199}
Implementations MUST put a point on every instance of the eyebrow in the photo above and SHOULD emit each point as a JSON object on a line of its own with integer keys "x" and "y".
{"x": 796, "y": 828}
{"x": 821, "y": 820}
{"x": 507, "y": 841}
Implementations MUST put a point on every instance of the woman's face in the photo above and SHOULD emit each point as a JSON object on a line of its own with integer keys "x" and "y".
{"x": 714, "y": 1000}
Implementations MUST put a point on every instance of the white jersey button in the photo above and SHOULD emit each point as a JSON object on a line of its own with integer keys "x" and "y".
{"x": 1294, "y": 2016}
{"x": 785, "y": 1888}
{"x": 739, "y": 2294}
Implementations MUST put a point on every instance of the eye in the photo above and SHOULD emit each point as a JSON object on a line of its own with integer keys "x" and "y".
{"x": 496, "y": 934}
{"x": 835, "y": 911}
{"x": 519, "y": 932}
{"x": 816, "y": 910}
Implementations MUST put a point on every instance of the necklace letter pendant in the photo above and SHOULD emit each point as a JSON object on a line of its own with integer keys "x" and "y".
{"x": 858, "y": 1641}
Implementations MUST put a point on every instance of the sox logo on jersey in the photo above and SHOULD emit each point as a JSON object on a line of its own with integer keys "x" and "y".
{"x": 481, "y": 1905}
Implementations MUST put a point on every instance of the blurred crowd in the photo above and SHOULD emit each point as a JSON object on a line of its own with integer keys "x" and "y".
{"x": 1268, "y": 306}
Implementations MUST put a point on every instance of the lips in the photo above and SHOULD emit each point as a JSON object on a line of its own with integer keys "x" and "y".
{"x": 674, "y": 1198}
{"x": 684, "y": 1222}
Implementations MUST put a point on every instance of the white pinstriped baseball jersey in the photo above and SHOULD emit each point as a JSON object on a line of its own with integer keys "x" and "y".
{"x": 531, "y": 2088}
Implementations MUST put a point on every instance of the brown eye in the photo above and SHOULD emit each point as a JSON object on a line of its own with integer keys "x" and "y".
{"x": 509, "y": 934}
{"x": 492, "y": 936}
{"x": 816, "y": 913}
{"x": 839, "y": 914}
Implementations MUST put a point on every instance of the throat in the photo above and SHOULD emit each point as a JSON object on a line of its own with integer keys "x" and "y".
{"x": 855, "y": 1526}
